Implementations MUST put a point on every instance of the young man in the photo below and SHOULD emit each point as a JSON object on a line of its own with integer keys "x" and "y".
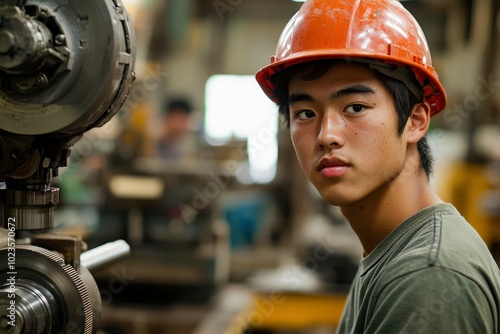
{"x": 175, "y": 127}
{"x": 354, "y": 81}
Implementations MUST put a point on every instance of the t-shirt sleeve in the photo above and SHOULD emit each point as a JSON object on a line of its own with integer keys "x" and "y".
{"x": 431, "y": 300}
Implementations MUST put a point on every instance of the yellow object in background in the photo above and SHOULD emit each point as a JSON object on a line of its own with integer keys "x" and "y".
{"x": 290, "y": 311}
{"x": 465, "y": 188}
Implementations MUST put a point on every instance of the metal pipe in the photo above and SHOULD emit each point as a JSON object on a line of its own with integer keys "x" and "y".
{"x": 104, "y": 255}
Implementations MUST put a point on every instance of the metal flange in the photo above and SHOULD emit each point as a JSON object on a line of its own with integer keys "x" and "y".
{"x": 49, "y": 296}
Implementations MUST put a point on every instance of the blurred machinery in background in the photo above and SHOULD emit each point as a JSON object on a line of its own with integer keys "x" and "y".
{"x": 471, "y": 183}
{"x": 65, "y": 67}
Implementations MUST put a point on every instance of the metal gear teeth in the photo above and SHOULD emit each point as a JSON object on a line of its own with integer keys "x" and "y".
{"x": 84, "y": 294}
{"x": 75, "y": 278}
{"x": 42, "y": 251}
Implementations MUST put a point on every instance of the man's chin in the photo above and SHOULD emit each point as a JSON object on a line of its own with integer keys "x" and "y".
{"x": 336, "y": 199}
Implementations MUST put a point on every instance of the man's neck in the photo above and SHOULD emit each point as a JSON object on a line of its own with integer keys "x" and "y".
{"x": 375, "y": 217}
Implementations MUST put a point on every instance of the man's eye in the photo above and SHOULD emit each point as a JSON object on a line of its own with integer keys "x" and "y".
{"x": 355, "y": 109}
{"x": 305, "y": 114}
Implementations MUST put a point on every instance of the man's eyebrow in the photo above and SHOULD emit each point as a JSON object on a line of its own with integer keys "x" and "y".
{"x": 294, "y": 98}
{"x": 348, "y": 90}
{"x": 351, "y": 90}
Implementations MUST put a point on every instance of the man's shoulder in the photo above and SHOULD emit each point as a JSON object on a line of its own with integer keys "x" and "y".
{"x": 445, "y": 240}
{"x": 436, "y": 242}
{"x": 435, "y": 268}
{"x": 442, "y": 238}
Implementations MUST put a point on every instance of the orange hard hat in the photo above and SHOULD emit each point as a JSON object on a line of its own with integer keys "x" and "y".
{"x": 368, "y": 30}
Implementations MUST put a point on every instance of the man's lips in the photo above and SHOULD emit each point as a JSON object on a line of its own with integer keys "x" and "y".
{"x": 332, "y": 167}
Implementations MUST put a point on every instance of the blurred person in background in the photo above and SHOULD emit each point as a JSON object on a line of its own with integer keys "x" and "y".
{"x": 175, "y": 126}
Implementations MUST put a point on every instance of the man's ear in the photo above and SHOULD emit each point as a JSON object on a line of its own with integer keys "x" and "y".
{"x": 418, "y": 122}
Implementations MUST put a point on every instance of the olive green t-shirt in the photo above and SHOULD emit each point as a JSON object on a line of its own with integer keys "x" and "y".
{"x": 432, "y": 274}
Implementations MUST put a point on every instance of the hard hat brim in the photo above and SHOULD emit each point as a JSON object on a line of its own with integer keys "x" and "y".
{"x": 436, "y": 96}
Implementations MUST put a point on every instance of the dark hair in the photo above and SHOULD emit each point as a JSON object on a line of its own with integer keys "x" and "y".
{"x": 404, "y": 98}
{"x": 179, "y": 104}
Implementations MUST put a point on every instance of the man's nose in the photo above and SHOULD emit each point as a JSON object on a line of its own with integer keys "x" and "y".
{"x": 331, "y": 132}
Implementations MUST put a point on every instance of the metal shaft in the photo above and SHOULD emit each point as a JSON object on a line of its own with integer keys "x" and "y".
{"x": 103, "y": 255}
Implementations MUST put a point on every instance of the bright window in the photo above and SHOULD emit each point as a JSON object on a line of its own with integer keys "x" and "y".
{"x": 237, "y": 109}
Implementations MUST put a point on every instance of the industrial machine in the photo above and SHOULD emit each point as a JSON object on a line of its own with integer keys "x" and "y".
{"x": 66, "y": 66}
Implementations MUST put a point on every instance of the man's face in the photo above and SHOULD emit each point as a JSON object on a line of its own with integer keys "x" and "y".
{"x": 176, "y": 124}
{"x": 343, "y": 127}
